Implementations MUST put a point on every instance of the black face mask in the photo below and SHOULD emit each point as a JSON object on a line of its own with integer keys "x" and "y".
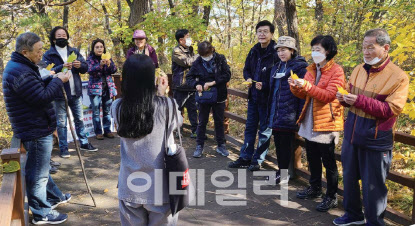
{"x": 61, "y": 42}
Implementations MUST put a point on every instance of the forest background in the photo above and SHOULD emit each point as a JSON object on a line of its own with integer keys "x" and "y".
{"x": 230, "y": 26}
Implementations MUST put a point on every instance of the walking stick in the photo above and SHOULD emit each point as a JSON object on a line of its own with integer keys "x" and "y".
{"x": 77, "y": 146}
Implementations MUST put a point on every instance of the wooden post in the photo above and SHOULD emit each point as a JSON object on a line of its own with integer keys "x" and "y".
{"x": 18, "y": 217}
{"x": 117, "y": 82}
{"x": 226, "y": 120}
{"x": 413, "y": 205}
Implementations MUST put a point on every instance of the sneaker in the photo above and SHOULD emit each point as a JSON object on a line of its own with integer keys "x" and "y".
{"x": 221, "y": 149}
{"x": 254, "y": 167}
{"x": 198, "y": 152}
{"x": 53, "y": 169}
{"x": 193, "y": 135}
{"x": 88, "y": 147}
{"x": 309, "y": 193}
{"x": 278, "y": 179}
{"x": 109, "y": 135}
{"x": 53, "y": 163}
{"x": 327, "y": 204}
{"x": 66, "y": 199}
{"x": 346, "y": 220}
{"x": 99, "y": 137}
{"x": 54, "y": 217}
{"x": 239, "y": 163}
{"x": 65, "y": 154}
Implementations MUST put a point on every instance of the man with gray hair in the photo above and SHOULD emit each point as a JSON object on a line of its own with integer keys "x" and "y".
{"x": 29, "y": 106}
{"x": 378, "y": 90}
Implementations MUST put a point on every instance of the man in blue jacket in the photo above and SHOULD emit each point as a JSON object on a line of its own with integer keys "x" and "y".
{"x": 29, "y": 106}
{"x": 259, "y": 62}
{"x": 58, "y": 54}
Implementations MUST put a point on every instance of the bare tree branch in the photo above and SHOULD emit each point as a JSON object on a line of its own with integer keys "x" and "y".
{"x": 56, "y": 4}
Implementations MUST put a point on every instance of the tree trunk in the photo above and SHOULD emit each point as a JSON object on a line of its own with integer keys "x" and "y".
{"x": 206, "y": 15}
{"x": 319, "y": 13}
{"x": 279, "y": 17}
{"x": 292, "y": 22}
{"x": 138, "y": 8}
{"x": 65, "y": 16}
{"x": 229, "y": 22}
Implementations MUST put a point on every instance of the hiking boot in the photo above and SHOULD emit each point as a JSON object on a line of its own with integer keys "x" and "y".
{"x": 346, "y": 220}
{"x": 109, "y": 135}
{"x": 99, "y": 137}
{"x": 309, "y": 193}
{"x": 198, "y": 152}
{"x": 327, "y": 204}
{"x": 221, "y": 149}
{"x": 53, "y": 169}
{"x": 65, "y": 153}
{"x": 66, "y": 199}
{"x": 53, "y": 163}
{"x": 239, "y": 163}
{"x": 193, "y": 135}
{"x": 254, "y": 167}
{"x": 54, "y": 217}
{"x": 88, "y": 147}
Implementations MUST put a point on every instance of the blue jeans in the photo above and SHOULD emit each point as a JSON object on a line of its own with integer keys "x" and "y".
{"x": 75, "y": 104}
{"x": 96, "y": 102}
{"x": 256, "y": 114}
{"x": 41, "y": 191}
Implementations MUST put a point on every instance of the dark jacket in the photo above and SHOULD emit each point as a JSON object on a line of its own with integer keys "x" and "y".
{"x": 258, "y": 68}
{"x": 29, "y": 98}
{"x": 52, "y": 56}
{"x": 182, "y": 59}
{"x": 96, "y": 74}
{"x": 287, "y": 107}
{"x": 199, "y": 75}
{"x": 148, "y": 50}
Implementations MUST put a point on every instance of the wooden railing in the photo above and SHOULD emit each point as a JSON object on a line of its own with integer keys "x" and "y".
{"x": 13, "y": 210}
{"x": 392, "y": 176}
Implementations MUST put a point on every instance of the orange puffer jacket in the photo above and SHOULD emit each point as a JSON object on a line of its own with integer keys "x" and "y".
{"x": 328, "y": 114}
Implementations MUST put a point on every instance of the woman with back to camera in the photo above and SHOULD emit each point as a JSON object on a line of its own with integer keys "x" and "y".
{"x": 141, "y": 117}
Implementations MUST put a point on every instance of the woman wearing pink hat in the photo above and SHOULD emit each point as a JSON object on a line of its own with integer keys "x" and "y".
{"x": 141, "y": 47}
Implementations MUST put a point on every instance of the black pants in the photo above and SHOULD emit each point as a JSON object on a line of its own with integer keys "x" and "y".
{"x": 284, "y": 143}
{"x": 218, "y": 117}
{"x": 190, "y": 104}
{"x": 316, "y": 152}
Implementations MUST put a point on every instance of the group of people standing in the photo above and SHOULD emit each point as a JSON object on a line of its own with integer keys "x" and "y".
{"x": 286, "y": 97}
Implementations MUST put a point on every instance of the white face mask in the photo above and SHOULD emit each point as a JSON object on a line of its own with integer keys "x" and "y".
{"x": 208, "y": 58}
{"x": 317, "y": 57}
{"x": 188, "y": 42}
{"x": 373, "y": 61}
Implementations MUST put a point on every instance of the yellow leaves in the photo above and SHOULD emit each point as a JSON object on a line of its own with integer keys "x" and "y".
{"x": 398, "y": 156}
{"x": 50, "y": 66}
{"x": 11, "y": 167}
{"x": 341, "y": 90}
{"x": 105, "y": 190}
{"x": 294, "y": 76}
{"x": 106, "y": 56}
{"x": 72, "y": 57}
{"x": 246, "y": 83}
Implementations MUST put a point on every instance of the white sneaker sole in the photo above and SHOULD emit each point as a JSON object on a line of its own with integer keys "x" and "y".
{"x": 48, "y": 222}
{"x": 93, "y": 150}
{"x": 61, "y": 202}
{"x": 352, "y": 223}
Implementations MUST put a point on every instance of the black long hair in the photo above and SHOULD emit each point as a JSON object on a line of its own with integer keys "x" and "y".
{"x": 92, "y": 53}
{"x": 136, "y": 107}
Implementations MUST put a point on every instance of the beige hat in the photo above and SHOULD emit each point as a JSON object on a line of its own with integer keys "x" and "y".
{"x": 286, "y": 41}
